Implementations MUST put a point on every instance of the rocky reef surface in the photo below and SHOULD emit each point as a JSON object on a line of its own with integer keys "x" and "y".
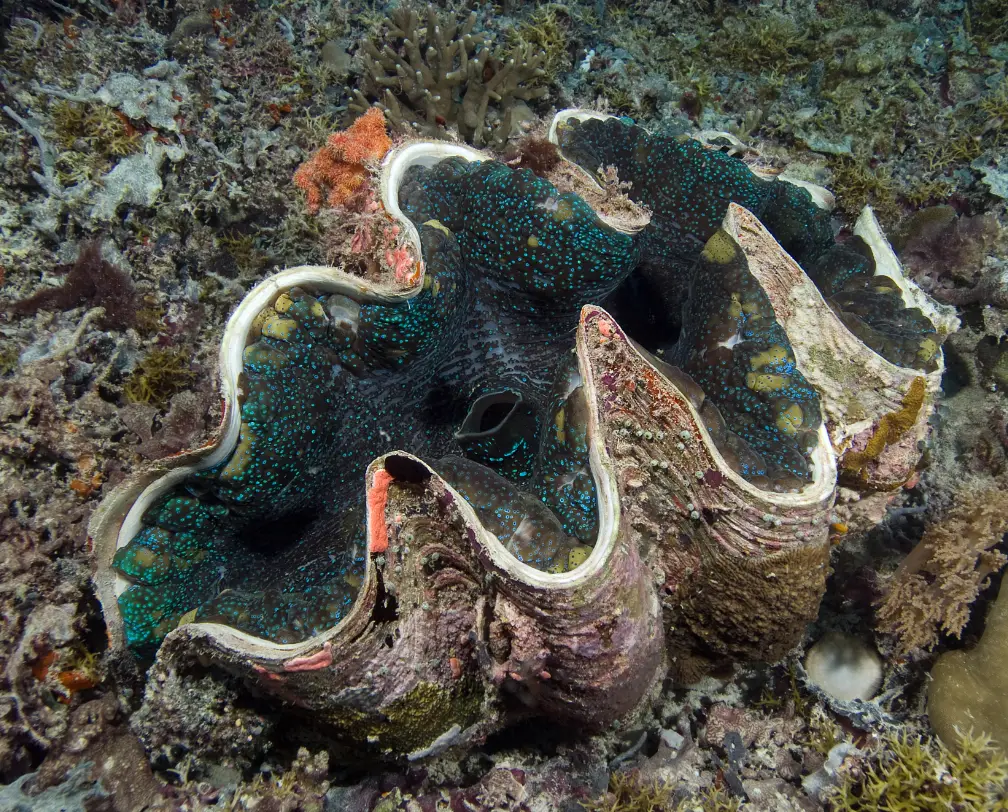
{"x": 161, "y": 163}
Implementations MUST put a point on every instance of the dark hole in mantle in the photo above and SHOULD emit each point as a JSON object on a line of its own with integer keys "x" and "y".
{"x": 405, "y": 469}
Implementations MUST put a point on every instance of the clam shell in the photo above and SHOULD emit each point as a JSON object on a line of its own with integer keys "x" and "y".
{"x": 450, "y": 636}
{"x": 858, "y": 388}
{"x": 401, "y": 669}
{"x": 740, "y": 570}
{"x": 821, "y": 196}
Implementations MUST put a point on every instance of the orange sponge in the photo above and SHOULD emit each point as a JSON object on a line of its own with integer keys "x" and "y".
{"x": 336, "y": 171}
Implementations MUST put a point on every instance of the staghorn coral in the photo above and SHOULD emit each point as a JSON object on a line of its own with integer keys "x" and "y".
{"x": 494, "y": 538}
{"x": 441, "y": 75}
{"x": 932, "y": 590}
{"x": 766, "y": 42}
{"x": 336, "y": 172}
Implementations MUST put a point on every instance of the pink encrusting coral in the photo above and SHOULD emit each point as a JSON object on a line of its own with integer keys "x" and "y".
{"x": 401, "y": 261}
{"x": 312, "y": 662}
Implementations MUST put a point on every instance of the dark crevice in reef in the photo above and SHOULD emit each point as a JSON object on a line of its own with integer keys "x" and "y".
{"x": 638, "y": 308}
{"x": 386, "y": 608}
{"x": 94, "y": 636}
{"x": 405, "y": 469}
{"x": 533, "y": 735}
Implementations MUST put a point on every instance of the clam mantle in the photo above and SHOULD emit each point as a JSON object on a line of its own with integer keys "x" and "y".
{"x": 692, "y": 559}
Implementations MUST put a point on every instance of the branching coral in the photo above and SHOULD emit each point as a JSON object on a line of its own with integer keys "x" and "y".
{"x": 429, "y": 78}
{"x": 545, "y": 30}
{"x": 858, "y": 184}
{"x": 763, "y": 43}
{"x": 994, "y": 106}
{"x": 913, "y": 774}
{"x": 989, "y": 19}
{"x": 933, "y": 588}
{"x": 96, "y": 127}
{"x": 628, "y": 792}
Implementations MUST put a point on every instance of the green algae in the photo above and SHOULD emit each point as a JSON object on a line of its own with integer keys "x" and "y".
{"x": 8, "y": 359}
{"x": 413, "y": 721}
{"x": 909, "y": 773}
{"x": 160, "y": 375}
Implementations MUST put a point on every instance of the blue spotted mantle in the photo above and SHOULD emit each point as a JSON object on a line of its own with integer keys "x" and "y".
{"x": 476, "y": 375}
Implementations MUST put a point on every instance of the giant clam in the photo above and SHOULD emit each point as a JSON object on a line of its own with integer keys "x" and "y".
{"x": 554, "y": 515}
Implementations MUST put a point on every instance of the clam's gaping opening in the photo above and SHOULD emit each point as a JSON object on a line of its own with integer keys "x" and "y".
{"x": 475, "y": 373}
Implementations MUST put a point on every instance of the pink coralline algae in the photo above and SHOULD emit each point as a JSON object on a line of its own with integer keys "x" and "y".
{"x": 312, "y": 662}
{"x": 401, "y": 262}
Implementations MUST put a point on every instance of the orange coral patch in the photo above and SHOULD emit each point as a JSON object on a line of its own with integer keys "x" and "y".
{"x": 363, "y": 140}
{"x": 336, "y": 171}
{"x": 76, "y": 680}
